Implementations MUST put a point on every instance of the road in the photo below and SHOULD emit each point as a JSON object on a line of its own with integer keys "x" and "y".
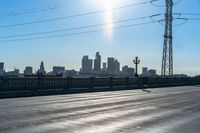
{"x": 156, "y": 110}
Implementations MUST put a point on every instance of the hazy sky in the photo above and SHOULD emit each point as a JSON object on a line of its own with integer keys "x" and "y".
{"x": 145, "y": 41}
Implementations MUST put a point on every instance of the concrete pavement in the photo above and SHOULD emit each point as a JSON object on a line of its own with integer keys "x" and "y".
{"x": 160, "y": 110}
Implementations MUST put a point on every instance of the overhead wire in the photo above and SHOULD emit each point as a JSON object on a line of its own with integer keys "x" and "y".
{"x": 76, "y": 15}
{"x": 79, "y": 33}
{"x": 177, "y": 16}
{"x": 188, "y": 19}
{"x": 81, "y": 27}
{"x": 187, "y": 16}
{"x": 193, "y": 14}
{"x": 30, "y": 10}
{"x": 92, "y": 26}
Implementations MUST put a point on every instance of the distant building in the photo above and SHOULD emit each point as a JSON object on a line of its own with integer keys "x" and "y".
{"x": 58, "y": 70}
{"x": 97, "y": 62}
{"x": 180, "y": 75}
{"x": 148, "y": 73}
{"x": 128, "y": 71}
{"x": 125, "y": 70}
{"x": 1, "y": 68}
{"x": 104, "y": 67}
{"x": 111, "y": 65}
{"x": 131, "y": 72}
{"x": 28, "y": 71}
{"x": 86, "y": 64}
{"x": 90, "y": 63}
{"x": 41, "y": 71}
{"x": 116, "y": 67}
{"x": 70, "y": 73}
{"x": 145, "y": 71}
{"x": 14, "y": 73}
{"x": 152, "y": 72}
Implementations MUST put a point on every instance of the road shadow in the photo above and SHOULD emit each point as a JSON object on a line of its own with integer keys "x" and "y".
{"x": 144, "y": 90}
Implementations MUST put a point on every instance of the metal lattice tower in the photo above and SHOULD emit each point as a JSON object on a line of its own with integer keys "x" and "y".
{"x": 167, "y": 59}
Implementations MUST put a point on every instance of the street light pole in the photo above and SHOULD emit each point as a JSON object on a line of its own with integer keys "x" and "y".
{"x": 136, "y": 62}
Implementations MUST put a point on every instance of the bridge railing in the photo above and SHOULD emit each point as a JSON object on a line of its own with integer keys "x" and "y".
{"x": 45, "y": 85}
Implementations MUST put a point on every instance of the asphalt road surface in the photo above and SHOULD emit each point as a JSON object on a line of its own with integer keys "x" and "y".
{"x": 161, "y": 110}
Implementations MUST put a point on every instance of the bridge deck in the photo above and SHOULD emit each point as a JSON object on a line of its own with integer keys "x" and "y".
{"x": 171, "y": 110}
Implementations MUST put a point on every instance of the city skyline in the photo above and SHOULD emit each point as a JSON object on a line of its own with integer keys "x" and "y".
{"x": 42, "y": 67}
{"x": 123, "y": 44}
{"x": 89, "y": 67}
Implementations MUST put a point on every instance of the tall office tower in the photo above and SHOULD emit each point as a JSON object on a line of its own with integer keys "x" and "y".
{"x": 116, "y": 67}
{"x": 111, "y": 65}
{"x": 89, "y": 65}
{"x": 97, "y": 62}
{"x": 1, "y": 68}
{"x": 86, "y": 64}
{"x": 104, "y": 66}
{"x": 125, "y": 70}
{"x": 28, "y": 70}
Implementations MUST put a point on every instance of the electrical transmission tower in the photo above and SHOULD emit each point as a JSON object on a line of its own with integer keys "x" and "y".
{"x": 167, "y": 59}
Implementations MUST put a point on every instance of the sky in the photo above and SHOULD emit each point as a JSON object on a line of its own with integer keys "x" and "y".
{"x": 144, "y": 41}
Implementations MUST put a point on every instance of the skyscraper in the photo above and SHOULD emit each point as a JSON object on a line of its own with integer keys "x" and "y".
{"x": 97, "y": 62}
{"x": 111, "y": 65}
{"x": 116, "y": 67}
{"x": 86, "y": 64}
{"x": 104, "y": 66}
{"x": 89, "y": 65}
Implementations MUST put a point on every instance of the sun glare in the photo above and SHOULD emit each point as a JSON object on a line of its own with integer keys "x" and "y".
{"x": 108, "y": 5}
{"x": 109, "y": 15}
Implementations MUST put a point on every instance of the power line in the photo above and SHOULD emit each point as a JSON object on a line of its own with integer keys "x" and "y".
{"x": 38, "y": 9}
{"x": 82, "y": 27}
{"x": 188, "y": 19}
{"x": 177, "y": 16}
{"x": 182, "y": 16}
{"x": 77, "y": 15}
{"x": 30, "y": 10}
{"x": 79, "y": 33}
{"x": 193, "y": 18}
{"x": 187, "y": 14}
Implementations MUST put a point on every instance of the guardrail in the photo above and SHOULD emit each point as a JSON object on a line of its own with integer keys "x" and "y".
{"x": 33, "y": 86}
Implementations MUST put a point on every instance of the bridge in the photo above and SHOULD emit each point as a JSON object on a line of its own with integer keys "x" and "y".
{"x": 155, "y": 110}
{"x": 37, "y": 86}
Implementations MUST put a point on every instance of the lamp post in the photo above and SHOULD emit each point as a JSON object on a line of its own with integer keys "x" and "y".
{"x": 136, "y": 62}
